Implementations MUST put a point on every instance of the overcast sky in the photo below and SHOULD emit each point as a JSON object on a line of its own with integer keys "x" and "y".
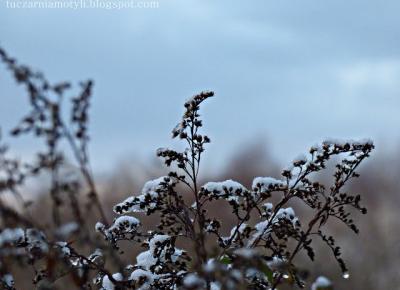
{"x": 291, "y": 72}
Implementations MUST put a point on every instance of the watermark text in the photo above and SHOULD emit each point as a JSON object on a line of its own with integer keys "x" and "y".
{"x": 81, "y": 4}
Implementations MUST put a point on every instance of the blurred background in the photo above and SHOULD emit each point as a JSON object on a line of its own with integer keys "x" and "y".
{"x": 287, "y": 74}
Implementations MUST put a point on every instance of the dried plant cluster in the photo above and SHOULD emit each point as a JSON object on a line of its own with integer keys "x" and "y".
{"x": 187, "y": 249}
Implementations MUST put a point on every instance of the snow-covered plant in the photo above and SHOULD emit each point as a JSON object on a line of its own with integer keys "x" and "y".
{"x": 260, "y": 250}
{"x": 188, "y": 248}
